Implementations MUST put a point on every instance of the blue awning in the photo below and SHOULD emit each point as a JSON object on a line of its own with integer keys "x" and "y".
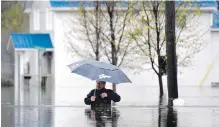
{"x": 31, "y": 40}
{"x": 200, "y": 3}
{"x": 63, "y": 3}
{"x": 76, "y": 3}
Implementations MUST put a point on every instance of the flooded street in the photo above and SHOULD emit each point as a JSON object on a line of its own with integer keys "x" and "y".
{"x": 59, "y": 55}
{"x": 64, "y": 107}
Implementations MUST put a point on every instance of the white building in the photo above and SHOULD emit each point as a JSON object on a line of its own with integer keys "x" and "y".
{"x": 51, "y": 16}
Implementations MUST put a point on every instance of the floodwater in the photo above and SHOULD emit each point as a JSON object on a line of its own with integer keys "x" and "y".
{"x": 139, "y": 107}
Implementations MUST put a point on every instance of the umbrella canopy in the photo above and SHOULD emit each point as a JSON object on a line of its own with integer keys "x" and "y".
{"x": 99, "y": 71}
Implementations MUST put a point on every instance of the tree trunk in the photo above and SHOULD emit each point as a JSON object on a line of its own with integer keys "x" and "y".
{"x": 160, "y": 74}
{"x": 111, "y": 11}
{"x": 171, "y": 49}
{"x": 160, "y": 84}
{"x": 155, "y": 11}
{"x": 97, "y": 31}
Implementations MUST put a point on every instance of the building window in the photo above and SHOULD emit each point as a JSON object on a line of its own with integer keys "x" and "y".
{"x": 36, "y": 19}
{"x": 49, "y": 19}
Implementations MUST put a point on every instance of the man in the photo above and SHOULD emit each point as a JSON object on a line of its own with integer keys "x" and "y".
{"x": 101, "y": 97}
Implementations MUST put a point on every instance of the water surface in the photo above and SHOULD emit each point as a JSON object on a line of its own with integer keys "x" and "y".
{"x": 139, "y": 106}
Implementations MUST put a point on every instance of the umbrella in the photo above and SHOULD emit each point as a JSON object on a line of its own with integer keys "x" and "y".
{"x": 99, "y": 71}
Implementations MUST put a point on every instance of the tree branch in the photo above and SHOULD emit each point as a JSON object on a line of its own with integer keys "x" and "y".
{"x": 123, "y": 29}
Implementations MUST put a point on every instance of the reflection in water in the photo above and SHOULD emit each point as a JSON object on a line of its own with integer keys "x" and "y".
{"x": 28, "y": 110}
{"x": 103, "y": 118}
{"x": 171, "y": 117}
{"x": 7, "y": 119}
{"x": 167, "y": 115}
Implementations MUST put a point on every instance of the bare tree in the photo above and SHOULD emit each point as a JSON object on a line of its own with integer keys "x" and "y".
{"x": 148, "y": 38}
{"x": 89, "y": 26}
{"x": 102, "y": 28}
{"x": 117, "y": 44}
{"x": 149, "y": 34}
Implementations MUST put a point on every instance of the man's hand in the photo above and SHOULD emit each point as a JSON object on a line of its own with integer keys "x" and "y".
{"x": 103, "y": 95}
{"x": 93, "y": 98}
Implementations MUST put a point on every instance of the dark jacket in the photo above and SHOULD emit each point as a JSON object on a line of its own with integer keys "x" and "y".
{"x": 99, "y": 101}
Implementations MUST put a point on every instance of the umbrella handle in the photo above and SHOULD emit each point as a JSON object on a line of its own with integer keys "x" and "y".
{"x": 95, "y": 93}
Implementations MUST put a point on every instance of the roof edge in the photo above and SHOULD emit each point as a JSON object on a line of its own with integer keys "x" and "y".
{"x": 64, "y": 9}
{"x": 214, "y": 29}
{"x": 30, "y": 33}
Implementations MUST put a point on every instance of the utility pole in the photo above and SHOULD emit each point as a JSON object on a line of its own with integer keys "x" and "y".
{"x": 171, "y": 50}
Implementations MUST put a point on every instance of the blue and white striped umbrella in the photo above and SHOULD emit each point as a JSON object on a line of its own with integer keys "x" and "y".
{"x": 99, "y": 71}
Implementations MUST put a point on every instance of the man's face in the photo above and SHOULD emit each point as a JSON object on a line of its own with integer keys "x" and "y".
{"x": 100, "y": 85}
